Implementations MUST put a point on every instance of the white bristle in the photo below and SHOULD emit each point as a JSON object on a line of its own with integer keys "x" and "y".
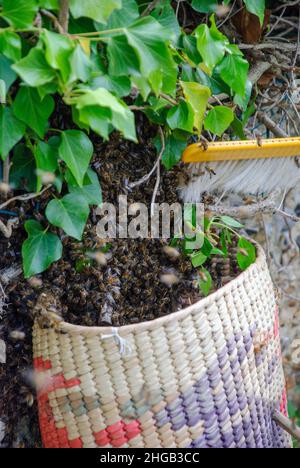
{"x": 255, "y": 177}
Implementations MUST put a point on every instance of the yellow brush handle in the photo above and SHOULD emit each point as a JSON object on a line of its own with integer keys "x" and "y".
{"x": 238, "y": 150}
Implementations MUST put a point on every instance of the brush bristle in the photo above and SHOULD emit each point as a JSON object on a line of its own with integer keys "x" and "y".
{"x": 255, "y": 177}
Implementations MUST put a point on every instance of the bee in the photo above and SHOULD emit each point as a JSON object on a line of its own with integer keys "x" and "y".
{"x": 46, "y": 311}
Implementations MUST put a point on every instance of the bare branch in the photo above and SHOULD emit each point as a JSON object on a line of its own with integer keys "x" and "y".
{"x": 287, "y": 425}
{"x": 26, "y": 197}
{"x": 163, "y": 147}
{"x": 272, "y": 126}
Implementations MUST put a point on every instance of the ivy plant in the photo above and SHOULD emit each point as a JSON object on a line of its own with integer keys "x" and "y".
{"x": 215, "y": 238}
{"x": 104, "y": 59}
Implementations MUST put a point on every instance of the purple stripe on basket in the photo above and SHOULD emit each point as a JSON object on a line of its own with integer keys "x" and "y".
{"x": 217, "y": 398}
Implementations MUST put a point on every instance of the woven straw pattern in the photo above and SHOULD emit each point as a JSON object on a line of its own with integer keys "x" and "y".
{"x": 207, "y": 376}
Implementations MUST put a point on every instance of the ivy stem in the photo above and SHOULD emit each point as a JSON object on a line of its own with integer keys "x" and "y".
{"x": 6, "y": 170}
{"x": 100, "y": 33}
{"x": 169, "y": 99}
{"x": 64, "y": 14}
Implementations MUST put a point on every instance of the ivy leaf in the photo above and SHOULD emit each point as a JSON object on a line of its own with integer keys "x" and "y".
{"x": 120, "y": 18}
{"x": 50, "y": 4}
{"x": 81, "y": 65}
{"x": 204, "y": 6}
{"x": 173, "y": 151}
{"x": 181, "y": 116}
{"x": 90, "y": 189}
{"x": 119, "y": 85}
{"x": 23, "y": 170}
{"x": 76, "y": 150}
{"x": 10, "y": 45}
{"x": 58, "y": 51}
{"x": 97, "y": 118}
{"x": 7, "y": 74}
{"x": 257, "y": 7}
{"x": 197, "y": 95}
{"x": 198, "y": 259}
{"x": 46, "y": 156}
{"x": 11, "y": 131}
{"x": 243, "y": 101}
{"x": 211, "y": 44}
{"x": 238, "y": 128}
{"x": 246, "y": 254}
{"x": 40, "y": 250}
{"x": 234, "y": 71}
{"x": 34, "y": 70}
{"x": 231, "y": 222}
{"x": 2, "y": 92}
{"x": 37, "y": 110}
{"x": 98, "y": 10}
{"x": 205, "y": 282}
{"x": 165, "y": 15}
{"x": 19, "y": 13}
{"x": 218, "y": 120}
{"x": 149, "y": 41}
{"x": 122, "y": 59}
{"x": 69, "y": 213}
{"x": 121, "y": 117}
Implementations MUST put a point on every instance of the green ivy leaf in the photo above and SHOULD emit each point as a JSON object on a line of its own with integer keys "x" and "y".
{"x": 211, "y": 44}
{"x": 197, "y": 95}
{"x": 40, "y": 250}
{"x": 257, "y": 7}
{"x": 121, "y": 117}
{"x": 205, "y": 282}
{"x": 97, "y": 118}
{"x": 204, "y": 6}
{"x": 173, "y": 151}
{"x": 69, "y": 213}
{"x": 90, "y": 189}
{"x": 7, "y": 74}
{"x": 198, "y": 259}
{"x": 10, "y": 45}
{"x": 238, "y": 128}
{"x": 23, "y": 169}
{"x": 218, "y": 120}
{"x": 34, "y": 70}
{"x": 11, "y": 131}
{"x": 246, "y": 254}
{"x": 231, "y": 222}
{"x": 19, "y": 13}
{"x": 2, "y": 92}
{"x": 46, "y": 156}
{"x": 243, "y": 100}
{"x": 234, "y": 71}
{"x": 123, "y": 17}
{"x": 37, "y": 110}
{"x": 181, "y": 116}
{"x": 98, "y": 10}
{"x": 58, "y": 52}
{"x": 76, "y": 150}
{"x": 122, "y": 59}
{"x": 49, "y": 4}
{"x": 81, "y": 65}
{"x": 165, "y": 15}
{"x": 149, "y": 41}
{"x": 119, "y": 85}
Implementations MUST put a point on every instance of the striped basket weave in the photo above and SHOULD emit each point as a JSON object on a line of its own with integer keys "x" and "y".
{"x": 206, "y": 376}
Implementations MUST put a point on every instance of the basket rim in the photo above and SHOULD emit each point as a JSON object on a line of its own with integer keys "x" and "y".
{"x": 180, "y": 314}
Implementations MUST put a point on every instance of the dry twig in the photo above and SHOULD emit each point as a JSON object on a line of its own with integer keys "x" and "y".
{"x": 26, "y": 197}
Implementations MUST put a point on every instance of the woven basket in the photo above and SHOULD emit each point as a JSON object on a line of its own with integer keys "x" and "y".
{"x": 206, "y": 376}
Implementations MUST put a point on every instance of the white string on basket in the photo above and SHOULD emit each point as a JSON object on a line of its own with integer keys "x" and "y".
{"x": 124, "y": 346}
